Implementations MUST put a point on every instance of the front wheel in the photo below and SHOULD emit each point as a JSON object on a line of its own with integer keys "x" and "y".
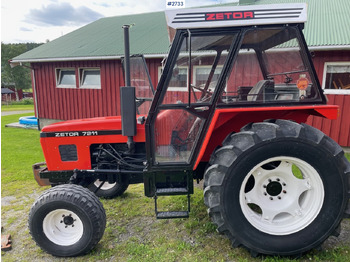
{"x": 277, "y": 188}
{"x": 67, "y": 220}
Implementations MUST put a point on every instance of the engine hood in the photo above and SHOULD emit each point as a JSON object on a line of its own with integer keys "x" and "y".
{"x": 98, "y": 123}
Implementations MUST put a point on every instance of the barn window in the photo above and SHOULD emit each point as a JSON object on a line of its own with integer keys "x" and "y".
{"x": 90, "y": 78}
{"x": 336, "y": 77}
{"x": 178, "y": 81}
{"x": 65, "y": 77}
{"x": 201, "y": 74}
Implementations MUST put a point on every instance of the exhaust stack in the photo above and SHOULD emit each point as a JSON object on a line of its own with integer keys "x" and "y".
{"x": 127, "y": 97}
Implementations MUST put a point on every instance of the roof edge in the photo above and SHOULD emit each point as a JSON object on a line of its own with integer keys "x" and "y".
{"x": 15, "y": 62}
{"x": 85, "y": 58}
{"x": 329, "y": 48}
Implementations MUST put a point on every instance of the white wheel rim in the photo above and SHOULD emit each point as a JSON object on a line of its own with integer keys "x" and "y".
{"x": 63, "y": 227}
{"x": 105, "y": 186}
{"x": 279, "y": 203}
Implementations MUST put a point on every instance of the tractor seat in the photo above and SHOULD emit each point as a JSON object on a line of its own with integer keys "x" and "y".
{"x": 257, "y": 92}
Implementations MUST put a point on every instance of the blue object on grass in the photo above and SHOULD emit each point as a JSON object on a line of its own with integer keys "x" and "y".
{"x": 28, "y": 120}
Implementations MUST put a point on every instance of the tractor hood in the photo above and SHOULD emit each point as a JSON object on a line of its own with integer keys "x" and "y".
{"x": 99, "y": 126}
{"x": 63, "y": 142}
{"x": 87, "y": 124}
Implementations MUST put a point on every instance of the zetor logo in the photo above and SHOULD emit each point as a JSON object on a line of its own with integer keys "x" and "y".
{"x": 229, "y": 15}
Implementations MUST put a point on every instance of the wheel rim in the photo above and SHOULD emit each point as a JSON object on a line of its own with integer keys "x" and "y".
{"x": 63, "y": 227}
{"x": 105, "y": 186}
{"x": 281, "y": 195}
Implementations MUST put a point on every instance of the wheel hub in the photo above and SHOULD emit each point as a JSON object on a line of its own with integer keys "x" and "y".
{"x": 274, "y": 188}
{"x": 68, "y": 220}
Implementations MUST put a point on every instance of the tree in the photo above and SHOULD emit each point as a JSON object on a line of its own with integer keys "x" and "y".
{"x": 18, "y": 76}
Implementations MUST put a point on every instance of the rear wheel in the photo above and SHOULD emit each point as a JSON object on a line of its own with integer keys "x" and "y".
{"x": 277, "y": 188}
{"x": 67, "y": 220}
{"x": 109, "y": 190}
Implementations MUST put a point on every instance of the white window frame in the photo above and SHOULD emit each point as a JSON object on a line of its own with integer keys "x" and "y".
{"x": 82, "y": 70}
{"x": 203, "y": 66}
{"x": 333, "y": 91}
{"x": 172, "y": 88}
{"x": 58, "y": 77}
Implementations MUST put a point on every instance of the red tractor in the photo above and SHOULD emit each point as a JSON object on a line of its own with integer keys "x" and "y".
{"x": 236, "y": 90}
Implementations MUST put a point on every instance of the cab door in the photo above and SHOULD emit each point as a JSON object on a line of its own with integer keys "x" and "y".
{"x": 186, "y": 95}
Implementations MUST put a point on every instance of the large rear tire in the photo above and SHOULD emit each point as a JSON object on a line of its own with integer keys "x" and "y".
{"x": 67, "y": 220}
{"x": 278, "y": 188}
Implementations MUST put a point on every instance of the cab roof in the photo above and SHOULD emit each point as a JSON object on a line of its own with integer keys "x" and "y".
{"x": 230, "y": 16}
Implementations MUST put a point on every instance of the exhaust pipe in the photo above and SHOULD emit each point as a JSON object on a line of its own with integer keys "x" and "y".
{"x": 127, "y": 97}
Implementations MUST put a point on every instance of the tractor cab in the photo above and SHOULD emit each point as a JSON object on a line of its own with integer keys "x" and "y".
{"x": 223, "y": 72}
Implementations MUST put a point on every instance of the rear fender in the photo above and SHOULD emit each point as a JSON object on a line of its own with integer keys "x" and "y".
{"x": 228, "y": 120}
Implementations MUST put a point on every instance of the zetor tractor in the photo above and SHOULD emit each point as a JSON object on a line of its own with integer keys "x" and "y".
{"x": 235, "y": 92}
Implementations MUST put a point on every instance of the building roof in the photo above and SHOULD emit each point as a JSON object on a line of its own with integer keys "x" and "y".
{"x": 327, "y": 27}
{"x": 103, "y": 39}
{"x": 5, "y": 90}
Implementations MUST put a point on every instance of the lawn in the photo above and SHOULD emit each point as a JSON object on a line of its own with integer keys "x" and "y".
{"x": 132, "y": 232}
{"x": 16, "y": 107}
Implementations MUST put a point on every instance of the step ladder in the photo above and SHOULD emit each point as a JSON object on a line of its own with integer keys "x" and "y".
{"x": 172, "y": 192}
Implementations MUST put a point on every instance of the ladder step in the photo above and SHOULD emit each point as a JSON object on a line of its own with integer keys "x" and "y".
{"x": 172, "y": 214}
{"x": 171, "y": 191}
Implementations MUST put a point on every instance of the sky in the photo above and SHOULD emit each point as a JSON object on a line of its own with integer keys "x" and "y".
{"x": 39, "y": 21}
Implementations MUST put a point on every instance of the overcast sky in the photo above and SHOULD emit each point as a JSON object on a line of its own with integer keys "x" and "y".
{"x": 41, "y": 20}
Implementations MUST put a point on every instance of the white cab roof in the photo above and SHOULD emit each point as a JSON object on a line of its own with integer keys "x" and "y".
{"x": 228, "y": 16}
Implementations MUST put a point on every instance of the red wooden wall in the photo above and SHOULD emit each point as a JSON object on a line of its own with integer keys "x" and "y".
{"x": 76, "y": 103}
{"x": 339, "y": 129}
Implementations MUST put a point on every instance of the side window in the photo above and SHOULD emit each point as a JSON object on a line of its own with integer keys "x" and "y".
{"x": 178, "y": 81}
{"x": 196, "y": 71}
{"x": 65, "y": 78}
{"x": 90, "y": 78}
{"x": 245, "y": 74}
{"x": 336, "y": 77}
{"x": 269, "y": 68}
{"x": 201, "y": 74}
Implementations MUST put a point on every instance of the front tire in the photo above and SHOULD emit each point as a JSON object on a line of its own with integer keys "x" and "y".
{"x": 67, "y": 220}
{"x": 277, "y": 188}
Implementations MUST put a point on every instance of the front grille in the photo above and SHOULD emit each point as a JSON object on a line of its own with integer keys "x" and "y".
{"x": 68, "y": 152}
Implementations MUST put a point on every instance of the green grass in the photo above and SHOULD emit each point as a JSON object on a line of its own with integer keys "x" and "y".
{"x": 132, "y": 232}
{"x": 16, "y": 107}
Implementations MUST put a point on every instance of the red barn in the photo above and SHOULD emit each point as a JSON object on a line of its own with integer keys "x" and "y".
{"x": 79, "y": 74}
